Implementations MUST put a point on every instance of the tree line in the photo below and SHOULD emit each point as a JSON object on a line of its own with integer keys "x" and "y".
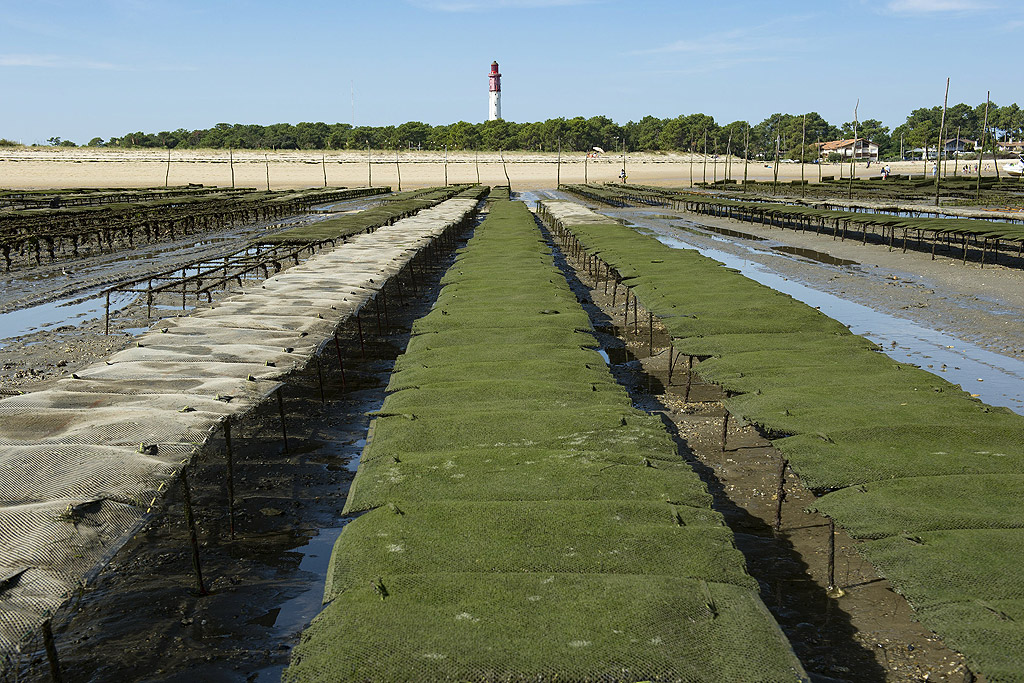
{"x": 695, "y": 132}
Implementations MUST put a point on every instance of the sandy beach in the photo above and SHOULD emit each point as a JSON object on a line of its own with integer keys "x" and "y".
{"x": 88, "y": 167}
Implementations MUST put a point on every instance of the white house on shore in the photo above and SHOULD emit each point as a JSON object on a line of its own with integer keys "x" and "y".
{"x": 861, "y": 148}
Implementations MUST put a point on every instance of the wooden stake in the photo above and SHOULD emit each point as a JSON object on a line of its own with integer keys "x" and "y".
{"x": 691, "y": 164}
{"x": 725, "y": 429}
{"x": 477, "y": 162}
{"x": 956, "y": 149}
{"x": 231, "y": 165}
{"x": 746, "y": 152}
{"x": 714, "y": 164}
{"x": 167, "y": 173}
{"x": 984, "y": 137}
{"x": 938, "y": 150}
{"x": 728, "y": 155}
{"x": 623, "y": 158}
{"x": 803, "y": 144}
{"x": 369, "y": 169}
{"x": 193, "y": 537}
{"x": 323, "y": 163}
{"x": 398, "y": 169}
{"x": 995, "y": 161}
{"x": 778, "y": 144}
{"x": 853, "y": 152}
{"x": 505, "y": 169}
{"x": 705, "y": 179}
{"x": 558, "y": 166}
{"x": 267, "y": 161}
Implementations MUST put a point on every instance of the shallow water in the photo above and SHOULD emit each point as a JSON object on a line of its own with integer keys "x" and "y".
{"x": 293, "y": 615}
{"x": 57, "y": 313}
{"x": 996, "y": 379}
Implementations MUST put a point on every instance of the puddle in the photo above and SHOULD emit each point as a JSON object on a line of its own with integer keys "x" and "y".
{"x": 998, "y": 380}
{"x": 57, "y": 313}
{"x": 720, "y": 231}
{"x": 294, "y": 615}
{"x": 819, "y": 256}
{"x": 604, "y": 355}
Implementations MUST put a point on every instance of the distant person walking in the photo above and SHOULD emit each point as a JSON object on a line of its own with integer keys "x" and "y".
{"x": 622, "y": 176}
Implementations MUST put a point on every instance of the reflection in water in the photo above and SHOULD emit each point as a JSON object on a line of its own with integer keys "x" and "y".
{"x": 996, "y": 379}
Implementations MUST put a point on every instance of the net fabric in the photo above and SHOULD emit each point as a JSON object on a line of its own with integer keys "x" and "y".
{"x": 928, "y": 477}
{"x": 527, "y": 526}
{"x": 83, "y": 462}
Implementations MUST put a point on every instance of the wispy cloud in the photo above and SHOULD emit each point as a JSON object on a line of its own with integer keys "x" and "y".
{"x": 486, "y": 5}
{"x": 932, "y": 6}
{"x": 763, "y": 39}
{"x": 718, "y": 64}
{"x": 54, "y": 62}
{"x": 51, "y": 61}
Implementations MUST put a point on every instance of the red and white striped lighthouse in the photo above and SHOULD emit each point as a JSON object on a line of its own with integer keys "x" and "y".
{"x": 494, "y": 105}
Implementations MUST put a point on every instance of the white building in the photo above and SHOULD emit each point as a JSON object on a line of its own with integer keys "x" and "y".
{"x": 861, "y": 147}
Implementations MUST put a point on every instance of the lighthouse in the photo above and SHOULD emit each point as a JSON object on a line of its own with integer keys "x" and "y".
{"x": 494, "y": 104}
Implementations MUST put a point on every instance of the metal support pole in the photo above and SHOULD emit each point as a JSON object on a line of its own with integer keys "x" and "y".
{"x": 193, "y": 538}
{"x": 341, "y": 362}
{"x": 725, "y": 429}
{"x": 650, "y": 341}
{"x": 229, "y": 460}
{"x": 689, "y": 378}
{"x": 780, "y": 494}
{"x": 280, "y": 410}
{"x": 832, "y": 589}
{"x": 359, "y": 324}
{"x": 51, "y": 653}
{"x": 320, "y": 378}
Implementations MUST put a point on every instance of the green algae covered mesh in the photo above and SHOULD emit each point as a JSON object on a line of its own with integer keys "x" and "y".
{"x": 520, "y": 520}
{"x": 482, "y": 626}
{"x": 927, "y": 477}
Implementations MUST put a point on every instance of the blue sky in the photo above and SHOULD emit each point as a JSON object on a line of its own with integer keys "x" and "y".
{"x": 107, "y": 67}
